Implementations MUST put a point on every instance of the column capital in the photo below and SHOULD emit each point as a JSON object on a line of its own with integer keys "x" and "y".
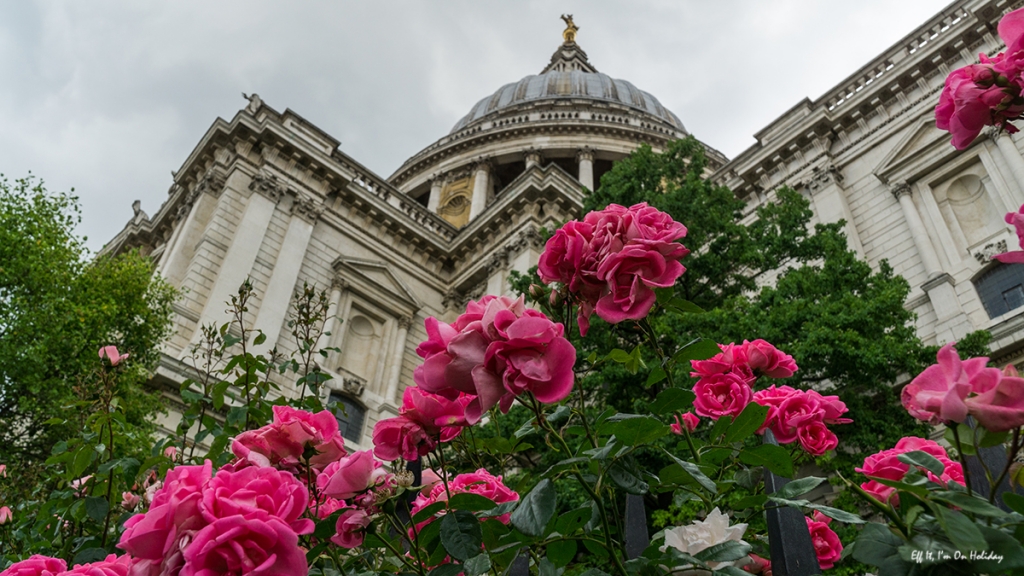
{"x": 532, "y": 156}
{"x": 995, "y": 133}
{"x": 307, "y": 208}
{"x": 482, "y": 164}
{"x": 585, "y": 154}
{"x": 405, "y": 322}
{"x": 266, "y": 184}
{"x": 339, "y": 283}
{"x": 900, "y": 188}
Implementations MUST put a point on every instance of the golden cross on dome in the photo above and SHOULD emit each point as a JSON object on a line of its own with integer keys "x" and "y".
{"x": 569, "y": 34}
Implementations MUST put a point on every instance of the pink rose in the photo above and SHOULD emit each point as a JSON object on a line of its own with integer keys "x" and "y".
{"x": 1016, "y": 219}
{"x": 794, "y": 413}
{"x": 937, "y": 394}
{"x": 832, "y": 408}
{"x": 688, "y": 420}
{"x": 351, "y": 475}
{"x": 110, "y": 353}
{"x": 399, "y": 437}
{"x": 326, "y": 507}
{"x": 171, "y": 452}
{"x": 732, "y": 358}
{"x": 815, "y": 438}
{"x": 569, "y": 258}
{"x": 130, "y": 501}
{"x": 480, "y": 482}
{"x": 5, "y": 515}
{"x": 3, "y": 470}
{"x": 429, "y": 479}
{"x": 175, "y": 509}
{"x": 36, "y": 565}
{"x": 257, "y": 493}
{"x": 632, "y": 273}
{"x": 112, "y": 565}
{"x": 773, "y": 397}
{"x": 1001, "y": 407}
{"x": 236, "y": 545}
{"x": 886, "y": 465}
{"x": 433, "y": 412}
{"x": 350, "y": 528}
{"x": 768, "y": 360}
{"x": 721, "y": 395}
{"x": 973, "y": 98}
{"x": 759, "y": 565}
{"x": 826, "y": 542}
{"x": 283, "y": 442}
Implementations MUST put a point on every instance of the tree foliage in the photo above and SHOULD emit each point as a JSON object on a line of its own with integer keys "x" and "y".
{"x": 57, "y": 307}
{"x": 767, "y": 273}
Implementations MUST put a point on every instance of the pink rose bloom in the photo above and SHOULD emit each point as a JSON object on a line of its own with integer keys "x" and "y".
{"x": 937, "y": 394}
{"x": 1015, "y": 219}
{"x": 5, "y": 515}
{"x": 3, "y": 470}
{"x": 350, "y": 528}
{"x": 794, "y": 413}
{"x": 480, "y": 482}
{"x": 773, "y": 397}
{"x": 689, "y": 420}
{"x": 1001, "y": 407}
{"x": 399, "y": 437}
{"x": 429, "y": 479}
{"x": 832, "y": 408}
{"x": 171, "y": 452}
{"x": 353, "y": 474}
{"x": 815, "y": 438}
{"x": 80, "y": 486}
{"x": 721, "y": 395}
{"x": 535, "y": 358}
{"x": 433, "y": 412}
{"x": 886, "y": 465}
{"x": 282, "y": 442}
{"x": 236, "y": 545}
{"x": 257, "y": 493}
{"x": 112, "y": 565}
{"x": 971, "y": 99}
{"x": 110, "y": 353}
{"x": 36, "y": 565}
{"x": 130, "y": 501}
{"x": 826, "y": 542}
{"x": 175, "y": 509}
{"x": 656, "y": 230}
{"x": 769, "y": 360}
{"x": 569, "y": 258}
{"x": 632, "y": 274}
{"x": 325, "y": 507}
{"x": 732, "y": 358}
{"x": 759, "y": 565}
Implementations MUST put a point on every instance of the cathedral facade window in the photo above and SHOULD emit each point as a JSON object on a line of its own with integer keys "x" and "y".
{"x": 1001, "y": 288}
{"x": 350, "y": 414}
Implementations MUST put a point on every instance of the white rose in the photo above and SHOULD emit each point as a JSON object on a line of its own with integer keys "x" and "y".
{"x": 704, "y": 534}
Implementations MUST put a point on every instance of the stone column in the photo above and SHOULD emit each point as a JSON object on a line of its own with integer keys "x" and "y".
{"x": 333, "y": 321}
{"x": 585, "y": 162}
{"x": 436, "y": 183}
{"x": 1014, "y": 162}
{"x": 241, "y": 254}
{"x": 397, "y": 356}
{"x": 481, "y": 188}
{"x": 830, "y": 203}
{"x": 532, "y": 158}
{"x": 277, "y": 300}
{"x": 200, "y": 200}
{"x": 902, "y": 190}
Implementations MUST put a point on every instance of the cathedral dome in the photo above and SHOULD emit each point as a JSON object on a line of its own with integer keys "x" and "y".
{"x": 568, "y": 84}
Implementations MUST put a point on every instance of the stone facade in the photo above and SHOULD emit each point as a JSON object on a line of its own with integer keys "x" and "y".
{"x": 270, "y": 197}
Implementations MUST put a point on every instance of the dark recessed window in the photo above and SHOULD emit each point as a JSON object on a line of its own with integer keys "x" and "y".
{"x": 350, "y": 415}
{"x": 1001, "y": 288}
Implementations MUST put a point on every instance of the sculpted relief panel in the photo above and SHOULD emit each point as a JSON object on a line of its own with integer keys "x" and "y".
{"x": 456, "y": 197}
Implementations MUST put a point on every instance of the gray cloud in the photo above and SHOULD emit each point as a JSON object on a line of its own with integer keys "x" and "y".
{"x": 109, "y": 97}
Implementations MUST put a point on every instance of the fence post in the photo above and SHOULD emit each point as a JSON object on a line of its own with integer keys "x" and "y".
{"x": 637, "y": 539}
{"x": 993, "y": 458}
{"x": 789, "y": 540}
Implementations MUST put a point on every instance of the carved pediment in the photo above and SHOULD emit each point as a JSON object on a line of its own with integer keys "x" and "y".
{"x": 376, "y": 281}
{"x": 921, "y": 148}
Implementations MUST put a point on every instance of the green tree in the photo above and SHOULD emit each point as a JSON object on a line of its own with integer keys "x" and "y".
{"x": 57, "y": 307}
{"x": 768, "y": 275}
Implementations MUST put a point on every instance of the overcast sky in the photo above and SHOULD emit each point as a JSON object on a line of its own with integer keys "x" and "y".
{"x": 109, "y": 97}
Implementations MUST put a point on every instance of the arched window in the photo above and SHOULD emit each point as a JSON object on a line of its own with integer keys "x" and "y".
{"x": 1001, "y": 288}
{"x": 350, "y": 415}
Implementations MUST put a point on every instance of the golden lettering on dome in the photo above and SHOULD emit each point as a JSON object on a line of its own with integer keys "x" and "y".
{"x": 569, "y": 34}
{"x": 456, "y": 198}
